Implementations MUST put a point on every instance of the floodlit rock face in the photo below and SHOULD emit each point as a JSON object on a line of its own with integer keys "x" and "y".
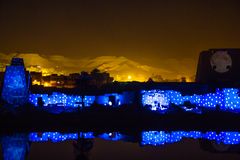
{"x": 121, "y": 68}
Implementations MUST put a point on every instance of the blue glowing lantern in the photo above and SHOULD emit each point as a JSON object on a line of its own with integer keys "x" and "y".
{"x": 16, "y": 83}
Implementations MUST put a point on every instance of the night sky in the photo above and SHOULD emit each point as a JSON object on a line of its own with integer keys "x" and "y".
{"x": 146, "y": 31}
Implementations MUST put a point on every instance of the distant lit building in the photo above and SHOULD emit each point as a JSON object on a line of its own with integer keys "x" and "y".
{"x": 36, "y": 78}
{"x": 71, "y": 80}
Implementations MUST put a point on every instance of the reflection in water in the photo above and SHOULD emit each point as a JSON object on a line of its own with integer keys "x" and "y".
{"x": 82, "y": 147}
{"x": 146, "y": 138}
{"x": 160, "y": 138}
{"x": 115, "y": 136}
{"x": 58, "y": 137}
{"x": 52, "y": 136}
{"x": 16, "y": 146}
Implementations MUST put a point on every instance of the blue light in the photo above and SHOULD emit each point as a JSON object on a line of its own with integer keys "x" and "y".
{"x": 61, "y": 99}
{"x": 157, "y": 100}
{"x": 227, "y": 99}
{"x": 112, "y": 99}
{"x": 161, "y": 137}
{"x": 52, "y": 136}
{"x": 155, "y": 138}
{"x": 86, "y": 135}
{"x": 74, "y": 101}
{"x": 113, "y": 136}
{"x": 15, "y": 147}
{"x": 58, "y": 137}
{"x": 15, "y": 87}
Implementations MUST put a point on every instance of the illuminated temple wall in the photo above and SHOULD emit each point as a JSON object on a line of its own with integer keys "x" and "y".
{"x": 106, "y": 99}
{"x": 15, "y": 87}
{"x": 62, "y": 100}
{"x": 117, "y": 99}
{"x": 226, "y": 99}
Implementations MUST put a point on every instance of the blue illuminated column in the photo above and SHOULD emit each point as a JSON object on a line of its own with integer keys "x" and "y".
{"x": 16, "y": 84}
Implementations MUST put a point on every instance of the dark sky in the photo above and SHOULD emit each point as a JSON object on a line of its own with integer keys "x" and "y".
{"x": 144, "y": 30}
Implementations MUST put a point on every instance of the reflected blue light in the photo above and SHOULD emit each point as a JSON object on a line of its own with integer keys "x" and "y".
{"x": 155, "y": 138}
{"x": 113, "y": 136}
{"x": 161, "y": 137}
{"x": 15, "y": 147}
{"x": 227, "y": 99}
{"x": 58, "y": 137}
{"x": 51, "y": 136}
{"x": 86, "y": 135}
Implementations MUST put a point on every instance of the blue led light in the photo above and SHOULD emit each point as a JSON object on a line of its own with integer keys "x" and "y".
{"x": 15, "y": 91}
{"x": 158, "y": 100}
{"x": 61, "y": 99}
{"x": 147, "y": 137}
{"x": 58, "y": 137}
{"x": 52, "y": 136}
{"x": 15, "y": 147}
{"x": 113, "y": 136}
{"x": 227, "y": 99}
{"x": 73, "y": 101}
{"x": 111, "y": 100}
{"x": 86, "y": 135}
{"x": 15, "y": 87}
{"x": 161, "y": 137}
